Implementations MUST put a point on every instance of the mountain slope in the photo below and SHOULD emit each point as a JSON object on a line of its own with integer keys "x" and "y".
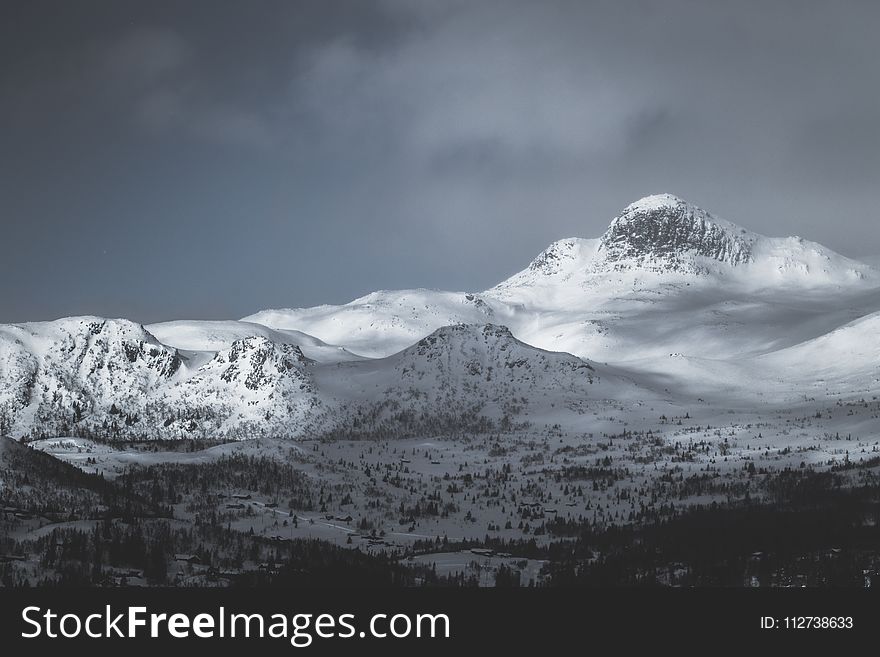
{"x": 665, "y": 277}
{"x": 90, "y": 375}
{"x": 477, "y": 369}
{"x": 213, "y": 336}
{"x": 382, "y": 323}
{"x": 847, "y": 358}
{"x": 65, "y": 370}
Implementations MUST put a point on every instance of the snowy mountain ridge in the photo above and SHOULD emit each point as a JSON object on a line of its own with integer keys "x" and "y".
{"x": 588, "y": 322}
{"x": 662, "y": 237}
{"x": 113, "y": 376}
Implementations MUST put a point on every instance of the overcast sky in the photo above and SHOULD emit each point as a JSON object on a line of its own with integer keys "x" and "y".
{"x": 206, "y": 159}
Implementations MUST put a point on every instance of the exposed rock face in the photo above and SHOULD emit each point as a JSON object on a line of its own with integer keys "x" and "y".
{"x": 89, "y": 374}
{"x": 257, "y": 363}
{"x": 665, "y": 233}
{"x": 550, "y": 261}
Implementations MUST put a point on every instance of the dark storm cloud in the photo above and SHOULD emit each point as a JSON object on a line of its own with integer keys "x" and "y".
{"x": 211, "y": 158}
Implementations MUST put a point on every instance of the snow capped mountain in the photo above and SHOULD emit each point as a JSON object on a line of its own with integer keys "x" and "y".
{"x": 480, "y": 372}
{"x": 487, "y": 362}
{"x": 254, "y": 386}
{"x": 90, "y": 374}
{"x": 668, "y": 298}
{"x": 56, "y": 372}
{"x": 663, "y": 233}
{"x": 464, "y": 357}
{"x": 668, "y": 277}
{"x": 662, "y": 239}
{"x": 665, "y": 277}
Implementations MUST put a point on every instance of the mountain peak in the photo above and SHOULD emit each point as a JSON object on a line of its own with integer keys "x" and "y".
{"x": 663, "y": 232}
{"x": 455, "y": 333}
{"x": 654, "y": 202}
